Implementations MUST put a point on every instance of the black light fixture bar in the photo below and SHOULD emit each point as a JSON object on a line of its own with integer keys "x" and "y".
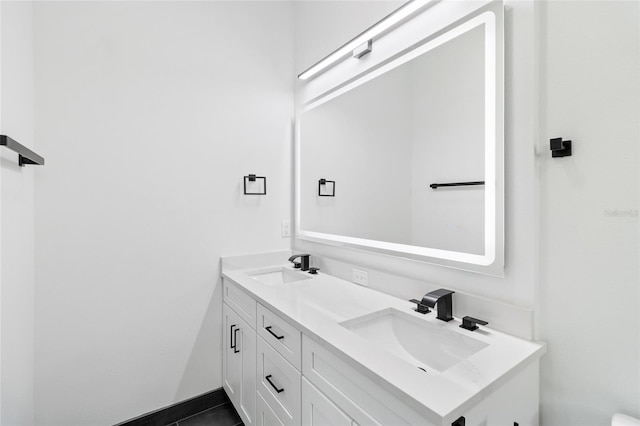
{"x": 25, "y": 155}
{"x": 438, "y": 185}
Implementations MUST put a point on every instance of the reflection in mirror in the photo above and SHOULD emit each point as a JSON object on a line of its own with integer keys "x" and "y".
{"x": 429, "y": 117}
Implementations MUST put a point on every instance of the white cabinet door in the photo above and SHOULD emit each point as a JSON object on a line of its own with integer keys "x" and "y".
{"x": 239, "y": 364}
{"x": 230, "y": 369}
{"x": 516, "y": 401}
{"x": 317, "y": 410}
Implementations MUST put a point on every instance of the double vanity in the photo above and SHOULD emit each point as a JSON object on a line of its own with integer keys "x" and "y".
{"x": 313, "y": 349}
{"x": 409, "y": 130}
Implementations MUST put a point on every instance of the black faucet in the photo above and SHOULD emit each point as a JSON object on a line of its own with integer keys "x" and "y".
{"x": 304, "y": 261}
{"x": 442, "y": 298}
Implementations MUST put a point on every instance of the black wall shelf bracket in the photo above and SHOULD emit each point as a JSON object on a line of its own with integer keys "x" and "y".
{"x": 25, "y": 155}
{"x": 323, "y": 183}
{"x": 438, "y": 185}
{"x": 560, "y": 148}
{"x": 254, "y": 178}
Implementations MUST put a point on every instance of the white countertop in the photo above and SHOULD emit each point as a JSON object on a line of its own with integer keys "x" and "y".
{"x": 317, "y": 306}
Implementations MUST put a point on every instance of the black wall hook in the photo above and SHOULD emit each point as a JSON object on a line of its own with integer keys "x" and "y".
{"x": 560, "y": 148}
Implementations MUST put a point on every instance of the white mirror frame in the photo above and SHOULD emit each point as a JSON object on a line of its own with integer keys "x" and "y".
{"x": 491, "y": 262}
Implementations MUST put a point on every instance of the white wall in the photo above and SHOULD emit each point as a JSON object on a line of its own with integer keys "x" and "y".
{"x": 590, "y": 282}
{"x": 16, "y": 216}
{"x": 150, "y": 114}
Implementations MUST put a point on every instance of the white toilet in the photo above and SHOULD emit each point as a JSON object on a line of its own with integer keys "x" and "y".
{"x": 623, "y": 420}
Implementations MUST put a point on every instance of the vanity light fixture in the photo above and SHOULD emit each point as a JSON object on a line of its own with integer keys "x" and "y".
{"x": 367, "y": 36}
{"x": 363, "y": 49}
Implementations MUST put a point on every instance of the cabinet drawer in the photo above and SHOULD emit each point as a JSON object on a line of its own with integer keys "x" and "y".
{"x": 358, "y": 396}
{"x": 318, "y": 410}
{"x": 243, "y": 304}
{"x": 279, "y": 384}
{"x": 265, "y": 415}
{"x": 284, "y": 337}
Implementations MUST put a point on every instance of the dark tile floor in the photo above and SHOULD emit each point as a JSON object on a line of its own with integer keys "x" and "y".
{"x": 221, "y": 415}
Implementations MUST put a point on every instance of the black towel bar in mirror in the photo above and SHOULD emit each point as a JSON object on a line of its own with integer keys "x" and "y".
{"x": 438, "y": 185}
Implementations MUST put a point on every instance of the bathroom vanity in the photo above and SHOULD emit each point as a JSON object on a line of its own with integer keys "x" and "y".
{"x": 318, "y": 350}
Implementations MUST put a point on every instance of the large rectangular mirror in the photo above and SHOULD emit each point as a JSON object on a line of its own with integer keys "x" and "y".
{"x": 408, "y": 159}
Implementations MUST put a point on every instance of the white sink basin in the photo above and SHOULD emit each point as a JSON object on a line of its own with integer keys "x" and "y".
{"x": 422, "y": 343}
{"x": 277, "y": 276}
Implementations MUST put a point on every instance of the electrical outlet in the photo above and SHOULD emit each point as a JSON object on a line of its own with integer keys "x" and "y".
{"x": 285, "y": 229}
{"x": 360, "y": 277}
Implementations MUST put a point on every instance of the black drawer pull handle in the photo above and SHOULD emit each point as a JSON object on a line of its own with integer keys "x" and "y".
{"x": 235, "y": 338}
{"x": 272, "y": 385}
{"x": 231, "y": 345}
{"x": 273, "y": 334}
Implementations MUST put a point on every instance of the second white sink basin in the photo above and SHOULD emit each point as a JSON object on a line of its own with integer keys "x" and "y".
{"x": 276, "y": 276}
{"x": 415, "y": 340}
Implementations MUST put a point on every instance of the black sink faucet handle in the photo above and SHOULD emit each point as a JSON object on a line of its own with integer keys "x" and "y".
{"x": 470, "y": 323}
{"x": 420, "y": 308}
{"x": 304, "y": 261}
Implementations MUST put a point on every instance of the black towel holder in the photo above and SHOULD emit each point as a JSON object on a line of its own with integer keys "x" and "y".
{"x": 25, "y": 155}
{"x": 438, "y": 185}
{"x": 324, "y": 182}
{"x": 254, "y": 178}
